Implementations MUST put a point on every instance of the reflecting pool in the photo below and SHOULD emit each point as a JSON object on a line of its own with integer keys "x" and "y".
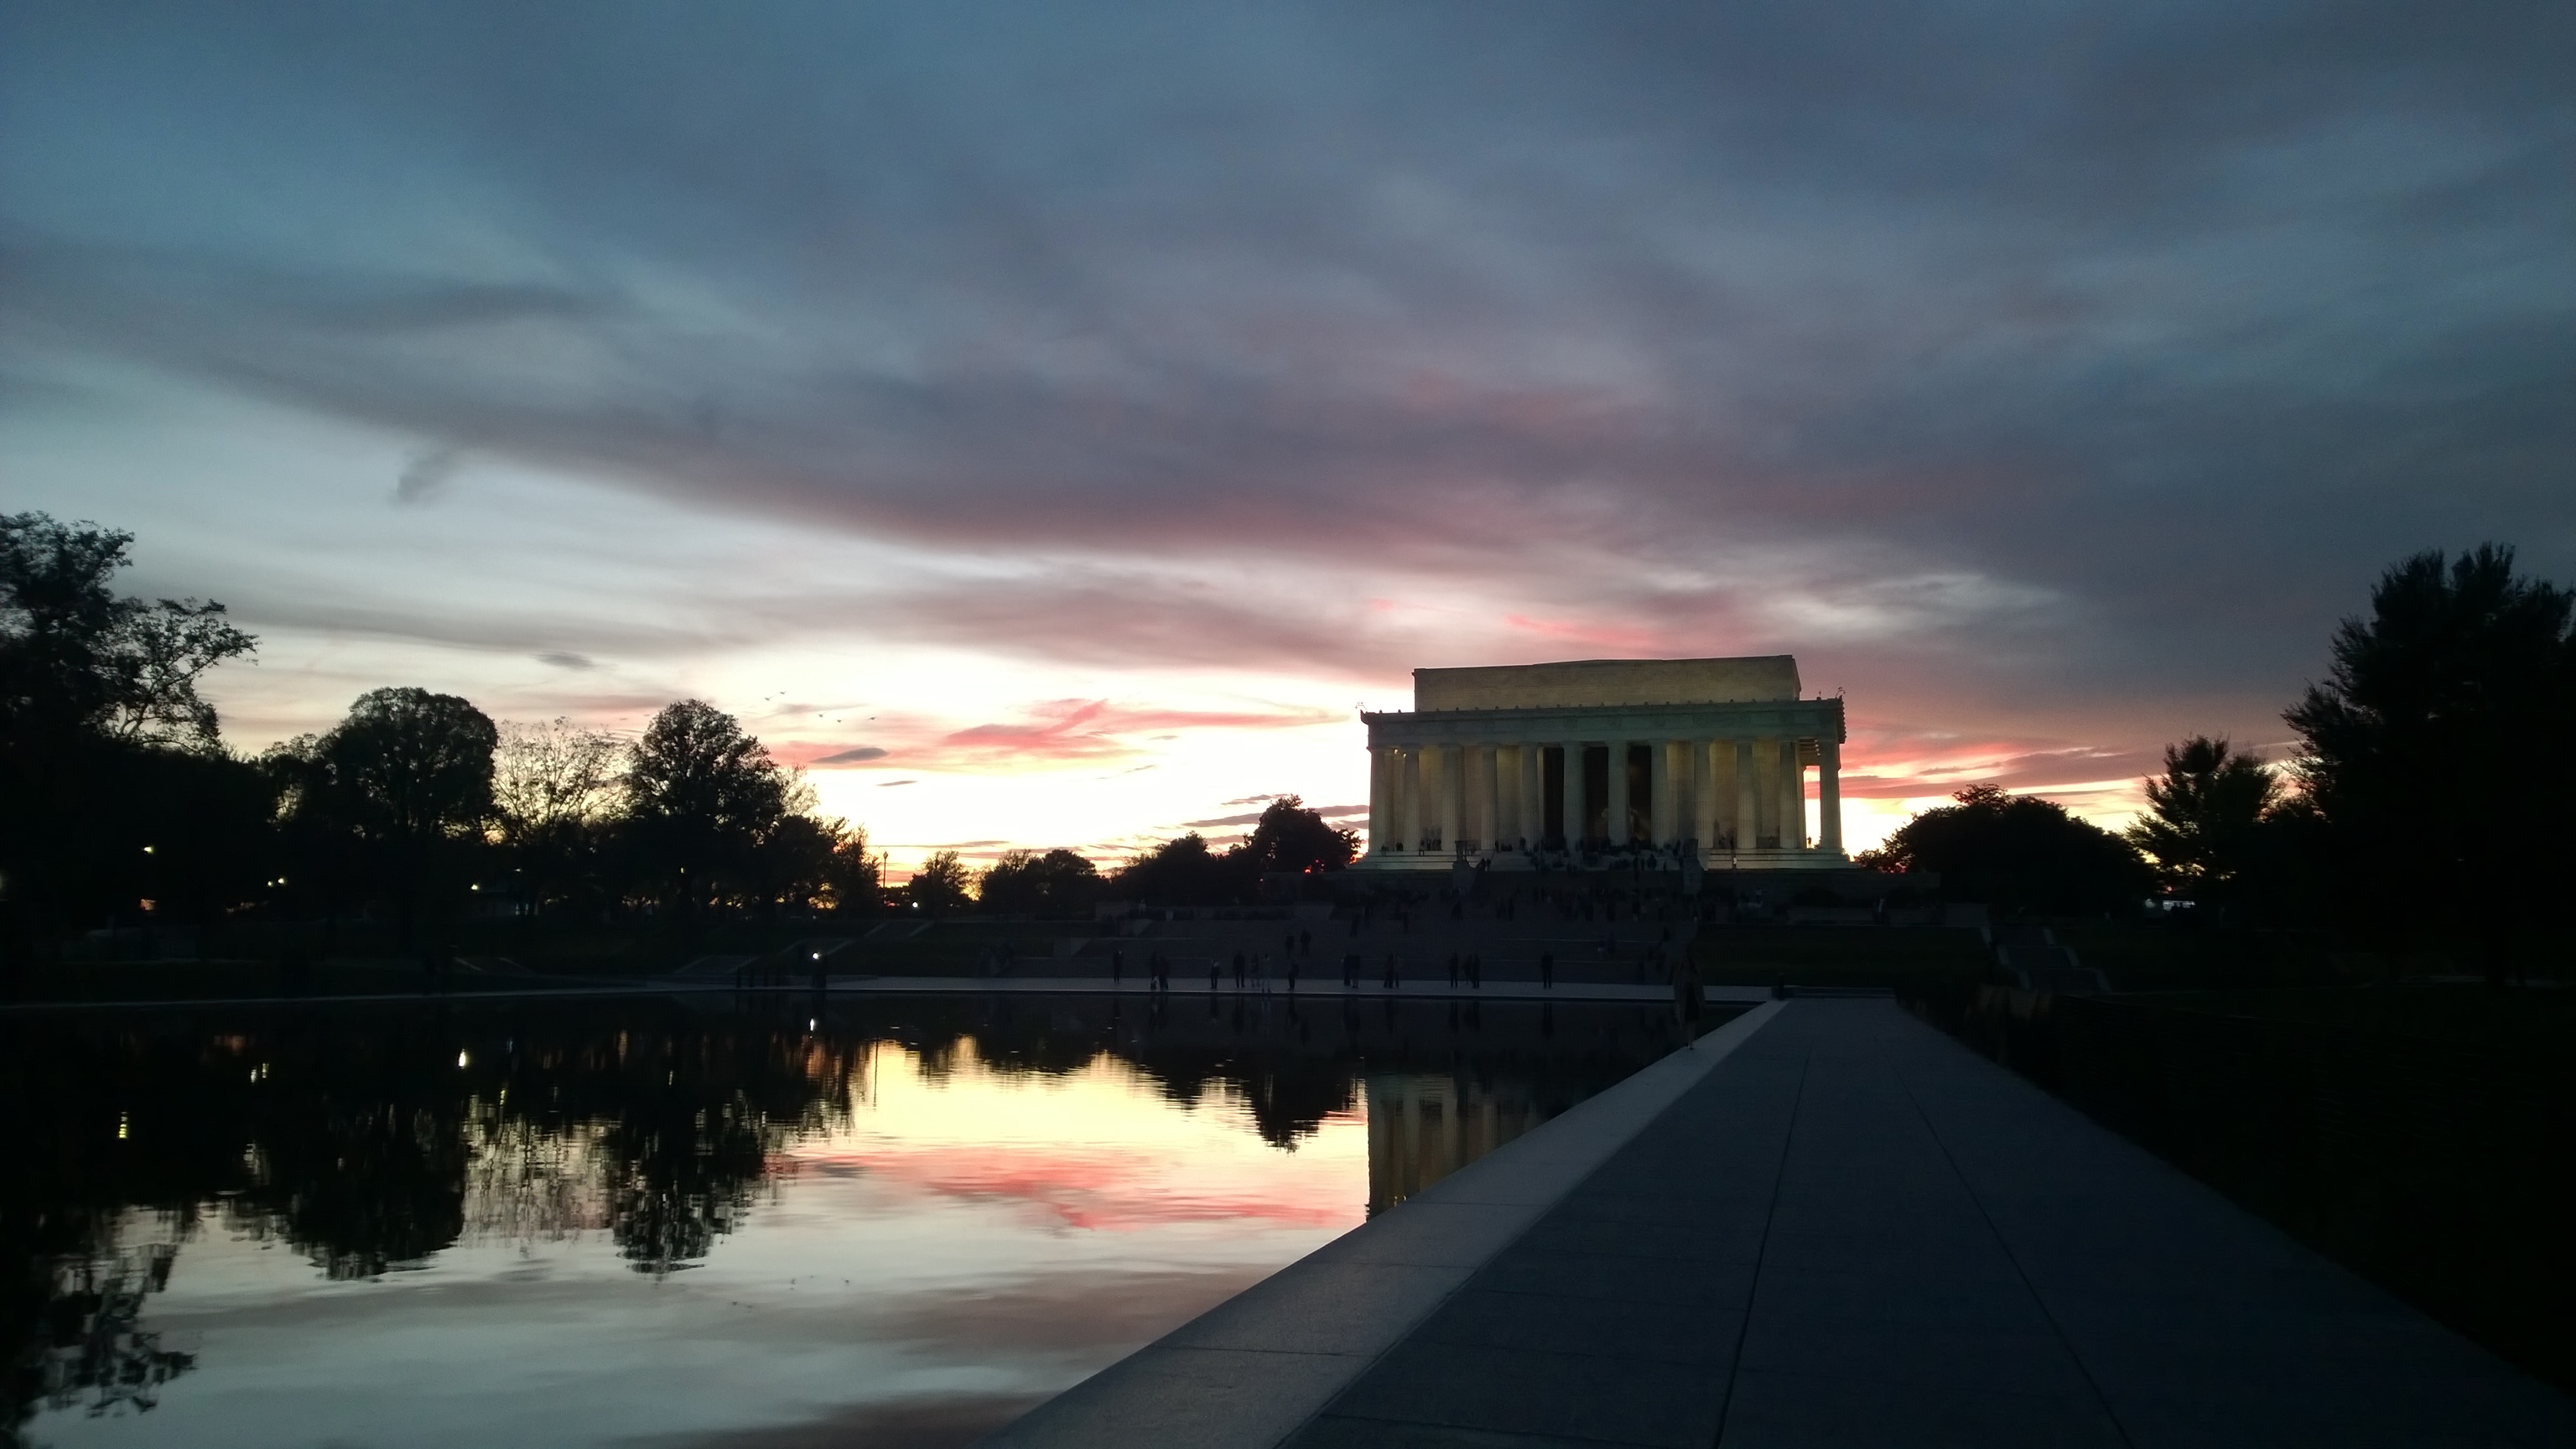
{"x": 768, "y": 1222}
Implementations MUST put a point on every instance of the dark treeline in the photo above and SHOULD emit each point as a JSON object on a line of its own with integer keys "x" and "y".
{"x": 1288, "y": 839}
{"x": 124, "y": 815}
{"x": 2426, "y": 802}
{"x": 121, "y": 809}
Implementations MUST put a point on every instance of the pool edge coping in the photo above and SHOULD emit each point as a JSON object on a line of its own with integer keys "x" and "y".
{"x": 1257, "y": 1367}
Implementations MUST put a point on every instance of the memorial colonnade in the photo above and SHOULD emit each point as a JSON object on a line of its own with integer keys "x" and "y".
{"x": 1726, "y": 779}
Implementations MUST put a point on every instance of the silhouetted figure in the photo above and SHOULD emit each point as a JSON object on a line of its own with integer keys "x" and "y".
{"x": 1117, "y": 966}
{"x": 1547, "y": 970}
{"x": 1475, "y": 971}
{"x": 1306, "y": 942}
{"x": 1212, "y": 983}
{"x": 1453, "y": 970}
{"x": 1390, "y": 970}
{"x": 1239, "y": 970}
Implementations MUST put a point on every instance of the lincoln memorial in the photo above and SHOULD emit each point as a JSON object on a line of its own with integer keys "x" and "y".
{"x": 1649, "y": 761}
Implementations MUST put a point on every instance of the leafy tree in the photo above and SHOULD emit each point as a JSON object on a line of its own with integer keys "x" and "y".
{"x": 701, "y": 795}
{"x": 78, "y": 658}
{"x": 409, "y": 765}
{"x": 1058, "y": 883}
{"x": 853, "y": 881}
{"x": 939, "y": 886}
{"x": 794, "y": 859}
{"x": 406, "y": 781}
{"x": 2204, "y": 815}
{"x": 1290, "y": 837}
{"x": 2017, "y": 852}
{"x": 2434, "y": 753}
{"x": 113, "y": 784}
{"x": 1183, "y": 871}
{"x": 555, "y": 789}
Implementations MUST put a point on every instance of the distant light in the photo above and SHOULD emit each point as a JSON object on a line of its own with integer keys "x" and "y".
{"x": 124, "y": 1128}
{"x": 809, "y": 1023}
{"x": 460, "y": 1059}
{"x": 147, "y": 850}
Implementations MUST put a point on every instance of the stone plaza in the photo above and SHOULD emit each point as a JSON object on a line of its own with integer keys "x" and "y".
{"x": 1671, "y": 763}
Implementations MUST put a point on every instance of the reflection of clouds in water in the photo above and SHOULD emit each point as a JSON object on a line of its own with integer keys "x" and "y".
{"x": 909, "y": 1237}
{"x": 1098, "y": 1147}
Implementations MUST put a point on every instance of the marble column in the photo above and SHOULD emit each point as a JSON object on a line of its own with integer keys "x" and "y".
{"x": 1573, "y": 795}
{"x": 1614, "y": 803}
{"x": 1704, "y": 778}
{"x": 1489, "y": 797}
{"x": 1379, "y": 805}
{"x": 1453, "y": 794}
{"x": 1533, "y": 795}
{"x": 1659, "y": 793}
{"x": 1829, "y": 795}
{"x": 1793, "y": 798}
{"x": 1748, "y": 797}
{"x": 1410, "y": 777}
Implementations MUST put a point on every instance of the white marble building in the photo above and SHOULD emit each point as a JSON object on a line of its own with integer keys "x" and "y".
{"x": 1607, "y": 758}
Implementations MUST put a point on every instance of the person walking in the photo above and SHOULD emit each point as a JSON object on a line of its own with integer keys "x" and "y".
{"x": 1390, "y": 970}
{"x": 1547, "y": 970}
{"x": 1212, "y": 976}
{"x": 1475, "y": 971}
{"x": 1453, "y": 970}
{"x": 1117, "y": 967}
{"x": 1238, "y": 970}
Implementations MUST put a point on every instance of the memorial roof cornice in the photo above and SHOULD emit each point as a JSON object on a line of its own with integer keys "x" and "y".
{"x": 1747, "y": 716}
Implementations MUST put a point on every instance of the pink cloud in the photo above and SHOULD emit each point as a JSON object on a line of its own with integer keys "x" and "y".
{"x": 1083, "y": 730}
{"x": 1107, "y": 1190}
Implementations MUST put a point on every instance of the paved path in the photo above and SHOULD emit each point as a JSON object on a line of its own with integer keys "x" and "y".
{"x": 1848, "y": 1231}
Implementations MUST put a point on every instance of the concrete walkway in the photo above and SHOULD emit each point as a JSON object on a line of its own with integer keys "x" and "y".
{"x": 1846, "y": 1230}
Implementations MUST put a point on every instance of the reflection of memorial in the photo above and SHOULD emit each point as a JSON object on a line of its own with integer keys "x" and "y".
{"x": 1424, "y": 1127}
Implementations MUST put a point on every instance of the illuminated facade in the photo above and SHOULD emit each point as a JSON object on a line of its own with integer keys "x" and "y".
{"x": 1641, "y": 760}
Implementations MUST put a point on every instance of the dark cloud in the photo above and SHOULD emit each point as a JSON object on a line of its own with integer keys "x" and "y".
{"x": 2085, "y": 355}
{"x": 566, "y": 659}
{"x": 859, "y": 755}
{"x": 425, "y": 475}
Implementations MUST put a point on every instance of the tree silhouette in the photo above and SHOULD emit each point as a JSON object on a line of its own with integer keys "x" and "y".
{"x": 2435, "y": 750}
{"x": 1183, "y": 871}
{"x": 114, "y": 788}
{"x": 77, "y": 657}
{"x": 1058, "y": 883}
{"x": 555, "y": 788}
{"x": 939, "y": 886}
{"x": 2204, "y": 814}
{"x": 404, "y": 781}
{"x": 1290, "y": 837}
{"x": 2018, "y": 852}
{"x": 700, "y": 797}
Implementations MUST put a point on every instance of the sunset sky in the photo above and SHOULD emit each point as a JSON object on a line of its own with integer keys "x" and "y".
{"x": 1049, "y": 423}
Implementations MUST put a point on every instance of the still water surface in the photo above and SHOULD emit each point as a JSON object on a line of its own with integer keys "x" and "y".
{"x": 766, "y": 1224}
